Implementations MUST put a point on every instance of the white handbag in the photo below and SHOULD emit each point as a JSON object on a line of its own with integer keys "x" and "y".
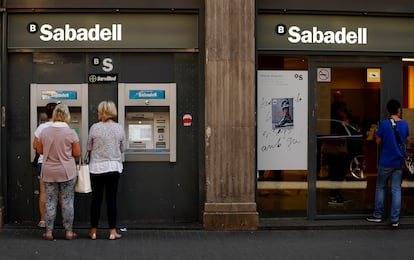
{"x": 83, "y": 183}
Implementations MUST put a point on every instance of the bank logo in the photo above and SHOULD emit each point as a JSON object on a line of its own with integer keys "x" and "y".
{"x": 102, "y": 78}
{"x": 92, "y": 78}
{"x": 315, "y": 35}
{"x": 67, "y": 33}
{"x": 59, "y": 95}
{"x": 147, "y": 94}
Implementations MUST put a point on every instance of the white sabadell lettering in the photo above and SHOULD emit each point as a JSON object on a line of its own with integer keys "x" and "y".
{"x": 117, "y": 32}
{"x": 68, "y": 33}
{"x": 141, "y": 94}
{"x": 60, "y": 95}
{"x": 106, "y": 78}
{"x": 342, "y": 36}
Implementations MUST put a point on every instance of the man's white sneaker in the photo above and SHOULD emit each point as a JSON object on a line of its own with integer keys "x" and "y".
{"x": 374, "y": 219}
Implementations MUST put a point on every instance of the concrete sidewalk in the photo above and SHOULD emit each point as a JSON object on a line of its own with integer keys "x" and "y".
{"x": 376, "y": 243}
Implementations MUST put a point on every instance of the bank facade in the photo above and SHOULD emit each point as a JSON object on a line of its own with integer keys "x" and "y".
{"x": 226, "y": 104}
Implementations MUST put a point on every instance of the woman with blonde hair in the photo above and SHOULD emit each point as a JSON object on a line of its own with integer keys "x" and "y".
{"x": 59, "y": 145}
{"x": 106, "y": 142}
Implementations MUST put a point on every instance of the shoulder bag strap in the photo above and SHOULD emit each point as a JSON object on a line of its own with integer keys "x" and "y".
{"x": 397, "y": 136}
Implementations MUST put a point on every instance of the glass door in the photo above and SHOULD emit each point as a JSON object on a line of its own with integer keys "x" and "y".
{"x": 408, "y": 114}
{"x": 347, "y": 114}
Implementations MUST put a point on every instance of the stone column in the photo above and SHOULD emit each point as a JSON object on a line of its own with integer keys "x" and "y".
{"x": 230, "y": 120}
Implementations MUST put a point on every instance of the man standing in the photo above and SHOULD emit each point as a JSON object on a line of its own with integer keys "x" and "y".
{"x": 339, "y": 111}
{"x": 390, "y": 163}
{"x": 338, "y": 160}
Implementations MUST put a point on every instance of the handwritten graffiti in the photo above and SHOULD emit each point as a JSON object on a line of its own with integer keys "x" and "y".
{"x": 282, "y": 119}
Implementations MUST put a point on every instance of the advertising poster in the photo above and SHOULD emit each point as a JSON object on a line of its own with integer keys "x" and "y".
{"x": 282, "y": 120}
{"x": 282, "y": 112}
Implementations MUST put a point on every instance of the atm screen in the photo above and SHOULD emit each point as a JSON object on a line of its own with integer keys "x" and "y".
{"x": 140, "y": 134}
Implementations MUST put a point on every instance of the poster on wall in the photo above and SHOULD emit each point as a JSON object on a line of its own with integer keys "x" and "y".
{"x": 282, "y": 120}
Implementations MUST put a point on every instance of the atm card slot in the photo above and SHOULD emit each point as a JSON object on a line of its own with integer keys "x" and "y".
{"x": 138, "y": 145}
{"x": 160, "y": 145}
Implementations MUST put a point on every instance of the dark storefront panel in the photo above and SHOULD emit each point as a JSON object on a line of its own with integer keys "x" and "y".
{"x": 101, "y": 31}
{"x": 167, "y": 192}
{"x": 22, "y": 182}
{"x": 317, "y": 33}
{"x": 96, "y": 4}
{"x": 149, "y": 192}
{"x": 374, "y": 6}
{"x": 137, "y": 48}
{"x": 21, "y": 178}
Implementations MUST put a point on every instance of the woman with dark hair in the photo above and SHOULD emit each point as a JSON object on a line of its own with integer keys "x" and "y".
{"x": 42, "y": 197}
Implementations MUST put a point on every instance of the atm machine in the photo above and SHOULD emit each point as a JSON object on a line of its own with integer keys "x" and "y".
{"x": 148, "y": 114}
{"x": 73, "y": 95}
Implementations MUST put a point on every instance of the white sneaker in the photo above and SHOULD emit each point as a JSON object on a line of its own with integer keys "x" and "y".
{"x": 374, "y": 219}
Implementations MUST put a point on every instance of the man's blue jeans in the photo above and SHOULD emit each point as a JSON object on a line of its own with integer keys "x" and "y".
{"x": 384, "y": 174}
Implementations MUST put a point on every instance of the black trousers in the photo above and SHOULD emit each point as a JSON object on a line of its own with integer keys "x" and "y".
{"x": 338, "y": 166}
{"x": 104, "y": 183}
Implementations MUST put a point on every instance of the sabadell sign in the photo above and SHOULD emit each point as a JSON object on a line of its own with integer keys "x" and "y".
{"x": 82, "y": 30}
{"x": 48, "y": 32}
{"x": 334, "y": 33}
{"x": 315, "y": 35}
